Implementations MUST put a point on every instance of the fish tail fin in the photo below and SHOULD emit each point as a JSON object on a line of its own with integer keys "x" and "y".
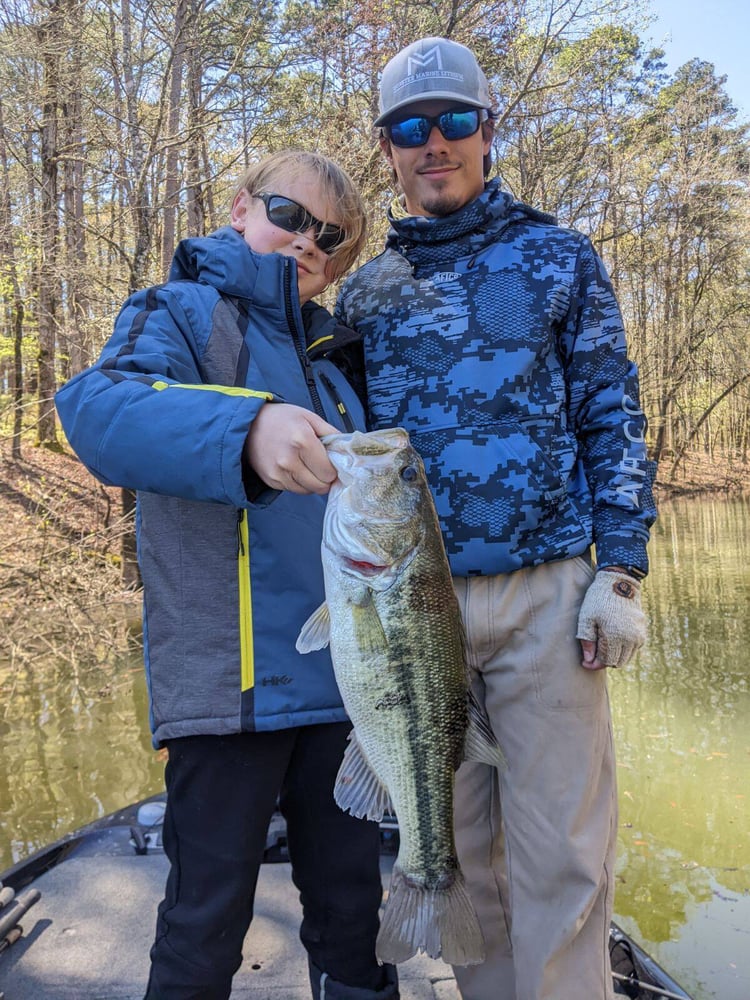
{"x": 481, "y": 743}
{"x": 440, "y": 922}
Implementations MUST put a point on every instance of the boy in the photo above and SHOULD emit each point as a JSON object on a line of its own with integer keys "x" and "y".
{"x": 211, "y": 395}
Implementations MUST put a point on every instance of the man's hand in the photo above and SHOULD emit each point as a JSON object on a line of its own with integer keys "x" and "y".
{"x": 283, "y": 448}
{"x": 611, "y": 625}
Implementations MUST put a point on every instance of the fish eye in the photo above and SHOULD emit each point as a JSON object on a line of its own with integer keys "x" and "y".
{"x": 408, "y": 473}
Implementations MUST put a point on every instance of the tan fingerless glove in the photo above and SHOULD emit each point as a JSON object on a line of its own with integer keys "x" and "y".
{"x": 611, "y": 616}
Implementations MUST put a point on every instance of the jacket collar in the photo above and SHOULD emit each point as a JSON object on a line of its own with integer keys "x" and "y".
{"x": 424, "y": 240}
{"x": 322, "y": 332}
{"x": 225, "y": 261}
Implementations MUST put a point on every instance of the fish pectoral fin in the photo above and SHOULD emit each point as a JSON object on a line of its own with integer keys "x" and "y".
{"x": 481, "y": 743}
{"x": 316, "y": 632}
{"x": 358, "y": 790}
{"x": 368, "y": 629}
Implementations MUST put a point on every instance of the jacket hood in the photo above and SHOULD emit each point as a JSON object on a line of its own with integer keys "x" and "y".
{"x": 225, "y": 261}
{"x": 424, "y": 240}
{"x": 222, "y": 259}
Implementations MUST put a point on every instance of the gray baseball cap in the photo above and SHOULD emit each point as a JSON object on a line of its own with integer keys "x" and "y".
{"x": 432, "y": 68}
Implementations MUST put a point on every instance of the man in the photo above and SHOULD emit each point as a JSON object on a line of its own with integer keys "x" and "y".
{"x": 493, "y": 336}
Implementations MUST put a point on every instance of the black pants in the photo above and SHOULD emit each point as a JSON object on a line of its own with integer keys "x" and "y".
{"x": 222, "y": 791}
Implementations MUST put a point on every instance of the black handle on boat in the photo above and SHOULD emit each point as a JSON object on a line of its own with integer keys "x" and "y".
{"x": 10, "y": 938}
{"x": 658, "y": 991}
{"x": 139, "y": 840}
{"x": 13, "y": 913}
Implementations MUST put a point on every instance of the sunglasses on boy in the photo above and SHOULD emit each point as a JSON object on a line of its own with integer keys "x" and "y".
{"x": 294, "y": 218}
{"x": 460, "y": 123}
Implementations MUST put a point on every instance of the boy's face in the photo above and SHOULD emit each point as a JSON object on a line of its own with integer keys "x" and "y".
{"x": 314, "y": 270}
{"x": 443, "y": 175}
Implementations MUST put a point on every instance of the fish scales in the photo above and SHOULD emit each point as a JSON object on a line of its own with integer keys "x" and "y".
{"x": 397, "y": 645}
{"x": 419, "y": 662}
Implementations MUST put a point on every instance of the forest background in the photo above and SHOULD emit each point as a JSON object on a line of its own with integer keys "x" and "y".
{"x": 125, "y": 124}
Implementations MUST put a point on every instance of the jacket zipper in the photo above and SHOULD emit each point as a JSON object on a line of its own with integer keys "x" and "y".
{"x": 339, "y": 403}
{"x": 247, "y": 663}
{"x": 299, "y": 344}
{"x": 247, "y": 660}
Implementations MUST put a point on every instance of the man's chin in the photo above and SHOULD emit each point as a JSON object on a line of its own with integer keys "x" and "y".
{"x": 440, "y": 205}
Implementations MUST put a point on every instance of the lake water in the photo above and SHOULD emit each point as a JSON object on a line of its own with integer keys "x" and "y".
{"x": 682, "y": 723}
{"x": 75, "y": 745}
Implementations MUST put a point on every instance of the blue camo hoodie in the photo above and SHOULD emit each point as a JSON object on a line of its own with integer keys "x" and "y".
{"x": 493, "y": 336}
{"x": 228, "y": 583}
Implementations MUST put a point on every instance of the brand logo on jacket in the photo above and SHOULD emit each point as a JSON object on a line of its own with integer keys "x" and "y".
{"x": 633, "y": 463}
{"x": 275, "y": 680}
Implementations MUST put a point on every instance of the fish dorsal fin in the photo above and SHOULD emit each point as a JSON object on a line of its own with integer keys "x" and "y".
{"x": 481, "y": 743}
{"x": 358, "y": 789}
{"x": 316, "y": 632}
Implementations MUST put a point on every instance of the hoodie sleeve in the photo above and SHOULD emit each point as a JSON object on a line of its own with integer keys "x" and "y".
{"x": 608, "y": 421}
{"x": 144, "y": 416}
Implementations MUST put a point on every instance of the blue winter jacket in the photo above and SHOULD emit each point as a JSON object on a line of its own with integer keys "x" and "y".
{"x": 228, "y": 581}
{"x": 493, "y": 336}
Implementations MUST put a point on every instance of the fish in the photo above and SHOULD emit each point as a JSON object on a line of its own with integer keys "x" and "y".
{"x": 396, "y": 636}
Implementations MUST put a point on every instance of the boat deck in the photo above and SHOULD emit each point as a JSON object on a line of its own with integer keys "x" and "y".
{"x": 92, "y": 900}
{"x": 89, "y": 934}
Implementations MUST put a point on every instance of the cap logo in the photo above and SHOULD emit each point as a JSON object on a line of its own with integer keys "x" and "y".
{"x": 418, "y": 67}
{"x": 417, "y": 60}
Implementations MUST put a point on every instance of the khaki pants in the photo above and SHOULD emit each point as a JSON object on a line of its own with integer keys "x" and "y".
{"x": 536, "y": 841}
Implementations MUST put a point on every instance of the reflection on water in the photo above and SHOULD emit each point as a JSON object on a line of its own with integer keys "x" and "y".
{"x": 75, "y": 745}
{"x": 681, "y": 718}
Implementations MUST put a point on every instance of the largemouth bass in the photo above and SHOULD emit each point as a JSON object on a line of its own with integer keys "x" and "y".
{"x": 397, "y": 644}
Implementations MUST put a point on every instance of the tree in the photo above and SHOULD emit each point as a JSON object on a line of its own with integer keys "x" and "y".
{"x": 127, "y": 123}
{"x": 10, "y": 286}
{"x": 693, "y": 246}
{"x": 50, "y": 38}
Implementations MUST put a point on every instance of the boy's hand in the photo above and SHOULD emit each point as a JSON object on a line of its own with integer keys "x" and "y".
{"x": 283, "y": 447}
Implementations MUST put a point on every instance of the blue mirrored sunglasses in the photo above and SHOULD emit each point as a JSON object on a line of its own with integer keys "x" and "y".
{"x": 415, "y": 130}
{"x": 294, "y": 218}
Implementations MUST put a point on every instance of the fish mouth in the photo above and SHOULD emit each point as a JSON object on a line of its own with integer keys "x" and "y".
{"x": 378, "y": 576}
{"x": 364, "y": 568}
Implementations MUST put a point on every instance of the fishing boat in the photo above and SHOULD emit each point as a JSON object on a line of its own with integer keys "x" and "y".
{"x": 77, "y": 920}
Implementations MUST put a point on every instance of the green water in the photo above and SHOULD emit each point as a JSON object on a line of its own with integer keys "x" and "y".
{"x": 682, "y": 722}
{"x": 75, "y": 746}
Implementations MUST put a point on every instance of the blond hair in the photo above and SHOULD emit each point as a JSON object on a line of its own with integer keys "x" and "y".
{"x": 335, "y": 183}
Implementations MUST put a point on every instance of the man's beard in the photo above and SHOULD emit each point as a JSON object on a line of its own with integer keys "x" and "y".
{"x": 440, "y": 205}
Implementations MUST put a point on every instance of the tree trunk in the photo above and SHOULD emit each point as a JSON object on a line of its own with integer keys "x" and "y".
{"x": 79, "y": 349}
{"x": 196, "y": 208}
{"x": 171, "y": 172}
{"x": 48, "y": 297}
{"x": 7, "y": 252}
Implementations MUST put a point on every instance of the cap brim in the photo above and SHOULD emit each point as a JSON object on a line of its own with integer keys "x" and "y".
{"x": 431, "y": 96}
